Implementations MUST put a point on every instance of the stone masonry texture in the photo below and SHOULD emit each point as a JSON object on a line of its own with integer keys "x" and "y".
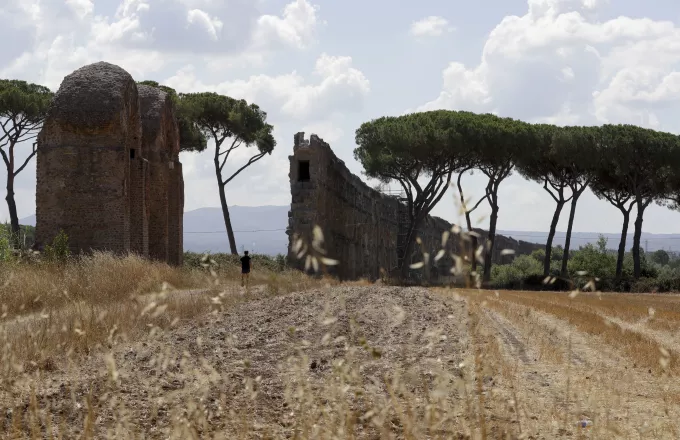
{"x": 108, "y": 170}
{"x": 363, "y": 228}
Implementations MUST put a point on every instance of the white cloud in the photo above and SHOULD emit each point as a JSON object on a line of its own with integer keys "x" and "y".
{"x": 212, "y": 25}
{"x": 143, "y": 37}
{"x": 431, "y": 26}
{"x": 51, "y": 39}
{"x": 82, "y": 8}
{"x": 341, "y": 88}
{"x": 559, "y": 63}
{"x": 329, "y": 131}
{"x": 296, "y": 28}
{"x": 293, "y": 103}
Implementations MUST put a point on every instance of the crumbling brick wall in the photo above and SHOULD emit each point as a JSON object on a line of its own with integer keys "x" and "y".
{"x": 363, "y": 227}
{"x": 83, "y": 163}
{"x": 108, "y": 172}
{"x": 160, "y": 146}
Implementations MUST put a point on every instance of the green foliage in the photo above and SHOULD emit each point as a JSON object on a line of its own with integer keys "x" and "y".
{"x": 265, "y": 262}
{"x": 410, "y": 148}
{"x": 660, "y": 257}
{"x": 593, "y": 260}
{"x": 498, "y": 143}
{"x": 223, "y": 117}
{"x": 281, "y": 261}
{"x": 576, "y": 151}
{"x": 406, "y": 147}
{"x": 24, "y": 103}
{"x": 598, "y": 262}
{"x": 58, "y": 251}
{"x": 23, "y": 107}
{"x": 24, "y": 239}
{"x": 6, "y": 254}
{"x": 557, "y": 253}
{"x": 538, "y": 255}
{"x": 169, "y": 90}
{"x": 513, "y": 274}
{"x": 640, "y": 159}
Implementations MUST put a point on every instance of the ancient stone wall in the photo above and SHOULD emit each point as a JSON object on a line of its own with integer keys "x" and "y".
{"x": 363, "y": 228}
{"x": 176, "y": 215}
{"x": 83, "y": 163}
{"x": 108, "y": 172}
{"x": 160, "y": 146}
{"x": 360, "y": 224}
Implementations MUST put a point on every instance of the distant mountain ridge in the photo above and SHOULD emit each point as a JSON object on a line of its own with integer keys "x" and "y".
{"x": 258, "y": 229}
{"x": 262, "y": 229}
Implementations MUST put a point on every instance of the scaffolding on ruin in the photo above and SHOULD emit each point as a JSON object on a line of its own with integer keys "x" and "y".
{"x": 402, "y": 221}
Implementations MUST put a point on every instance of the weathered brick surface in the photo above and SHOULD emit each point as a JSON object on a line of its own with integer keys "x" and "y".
{"x": 158, "y": 135}
{"x": 363, "y": 228}
{"x": 83, "y": 165}
{"x": 175, "y": 215}
{"x": 103, "y": 166}
{"x": 139, "y": 227}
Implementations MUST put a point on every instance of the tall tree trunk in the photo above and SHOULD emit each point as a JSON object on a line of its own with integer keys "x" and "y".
{"x": 223, "y": 202}
{"x": 227, "y": 221}
{"x": 473, "y": 242}
{"x": 567, "y": 239}
{"x": 491, "y": 241}
{"x": 551, "y": 237}
{"x": 12, "y": 207}
{"x": 410, "y": 243}
{"x": 622, "y": 242}
{"x": 468, "y": 220}
{"x": 637, "y": 269}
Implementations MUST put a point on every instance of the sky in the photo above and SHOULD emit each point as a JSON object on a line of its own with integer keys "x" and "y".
{"x": 325, "y": 67}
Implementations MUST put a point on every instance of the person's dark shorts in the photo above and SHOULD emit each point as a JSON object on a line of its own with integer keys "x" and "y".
{"x": 245, "y": 271}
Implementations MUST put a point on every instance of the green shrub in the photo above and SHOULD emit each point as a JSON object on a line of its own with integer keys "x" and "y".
{"x": 267, "y": 262}
{"x": 595, "y": 261}
{"x": 58, "y": 251}
{"x": 512, "y": 276}
{"x": 5, "y": 245}
{"x": 281, "y": 261}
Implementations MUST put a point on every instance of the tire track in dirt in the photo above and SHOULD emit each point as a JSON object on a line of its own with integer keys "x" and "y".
{"x": 549, "y": 322}
{"x": 662, "y": 338}
{"x": 597, "y": 384}
{"x": 509, "y": 338}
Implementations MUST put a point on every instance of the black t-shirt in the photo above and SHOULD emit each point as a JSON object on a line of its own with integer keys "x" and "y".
{"x": 245, "y": 263}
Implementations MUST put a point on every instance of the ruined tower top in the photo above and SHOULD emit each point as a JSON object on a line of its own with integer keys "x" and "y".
{"x": 92, "y": 96}
{"x": 108, "y": 172}
{"x": 314, "y": 141}
{"x": 157, "y": 112}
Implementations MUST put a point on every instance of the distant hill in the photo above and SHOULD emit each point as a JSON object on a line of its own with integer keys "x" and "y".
{"x": 261, "y": 229}
{"x": 649, "y": 241}
{"x": 204, "y": 229}
{"x": 30, "y": 220}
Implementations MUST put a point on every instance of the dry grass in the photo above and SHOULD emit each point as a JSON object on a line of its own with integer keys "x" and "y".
{"x": 586, "y": 313}
{"x": 101, "y": 349}
{"x": 570, "y": 364}
{"x": 182, "y": 365}
{"x": 53, "y": 312}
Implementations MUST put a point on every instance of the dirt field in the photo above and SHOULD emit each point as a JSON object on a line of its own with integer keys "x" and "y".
{"x": 609, "y": 360}
{"x": 371, "y": 362}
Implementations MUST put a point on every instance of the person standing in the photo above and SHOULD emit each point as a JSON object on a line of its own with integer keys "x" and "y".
{"x": 245, "y": 269}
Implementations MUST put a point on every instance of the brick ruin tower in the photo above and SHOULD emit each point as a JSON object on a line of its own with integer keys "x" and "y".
{"x": 108, "y": 170}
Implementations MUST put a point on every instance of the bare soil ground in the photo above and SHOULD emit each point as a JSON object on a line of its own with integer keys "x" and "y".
{"x": 264, "y": 368}
{"x": 595, "y": 358}
{"x": 373, "y": 362}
